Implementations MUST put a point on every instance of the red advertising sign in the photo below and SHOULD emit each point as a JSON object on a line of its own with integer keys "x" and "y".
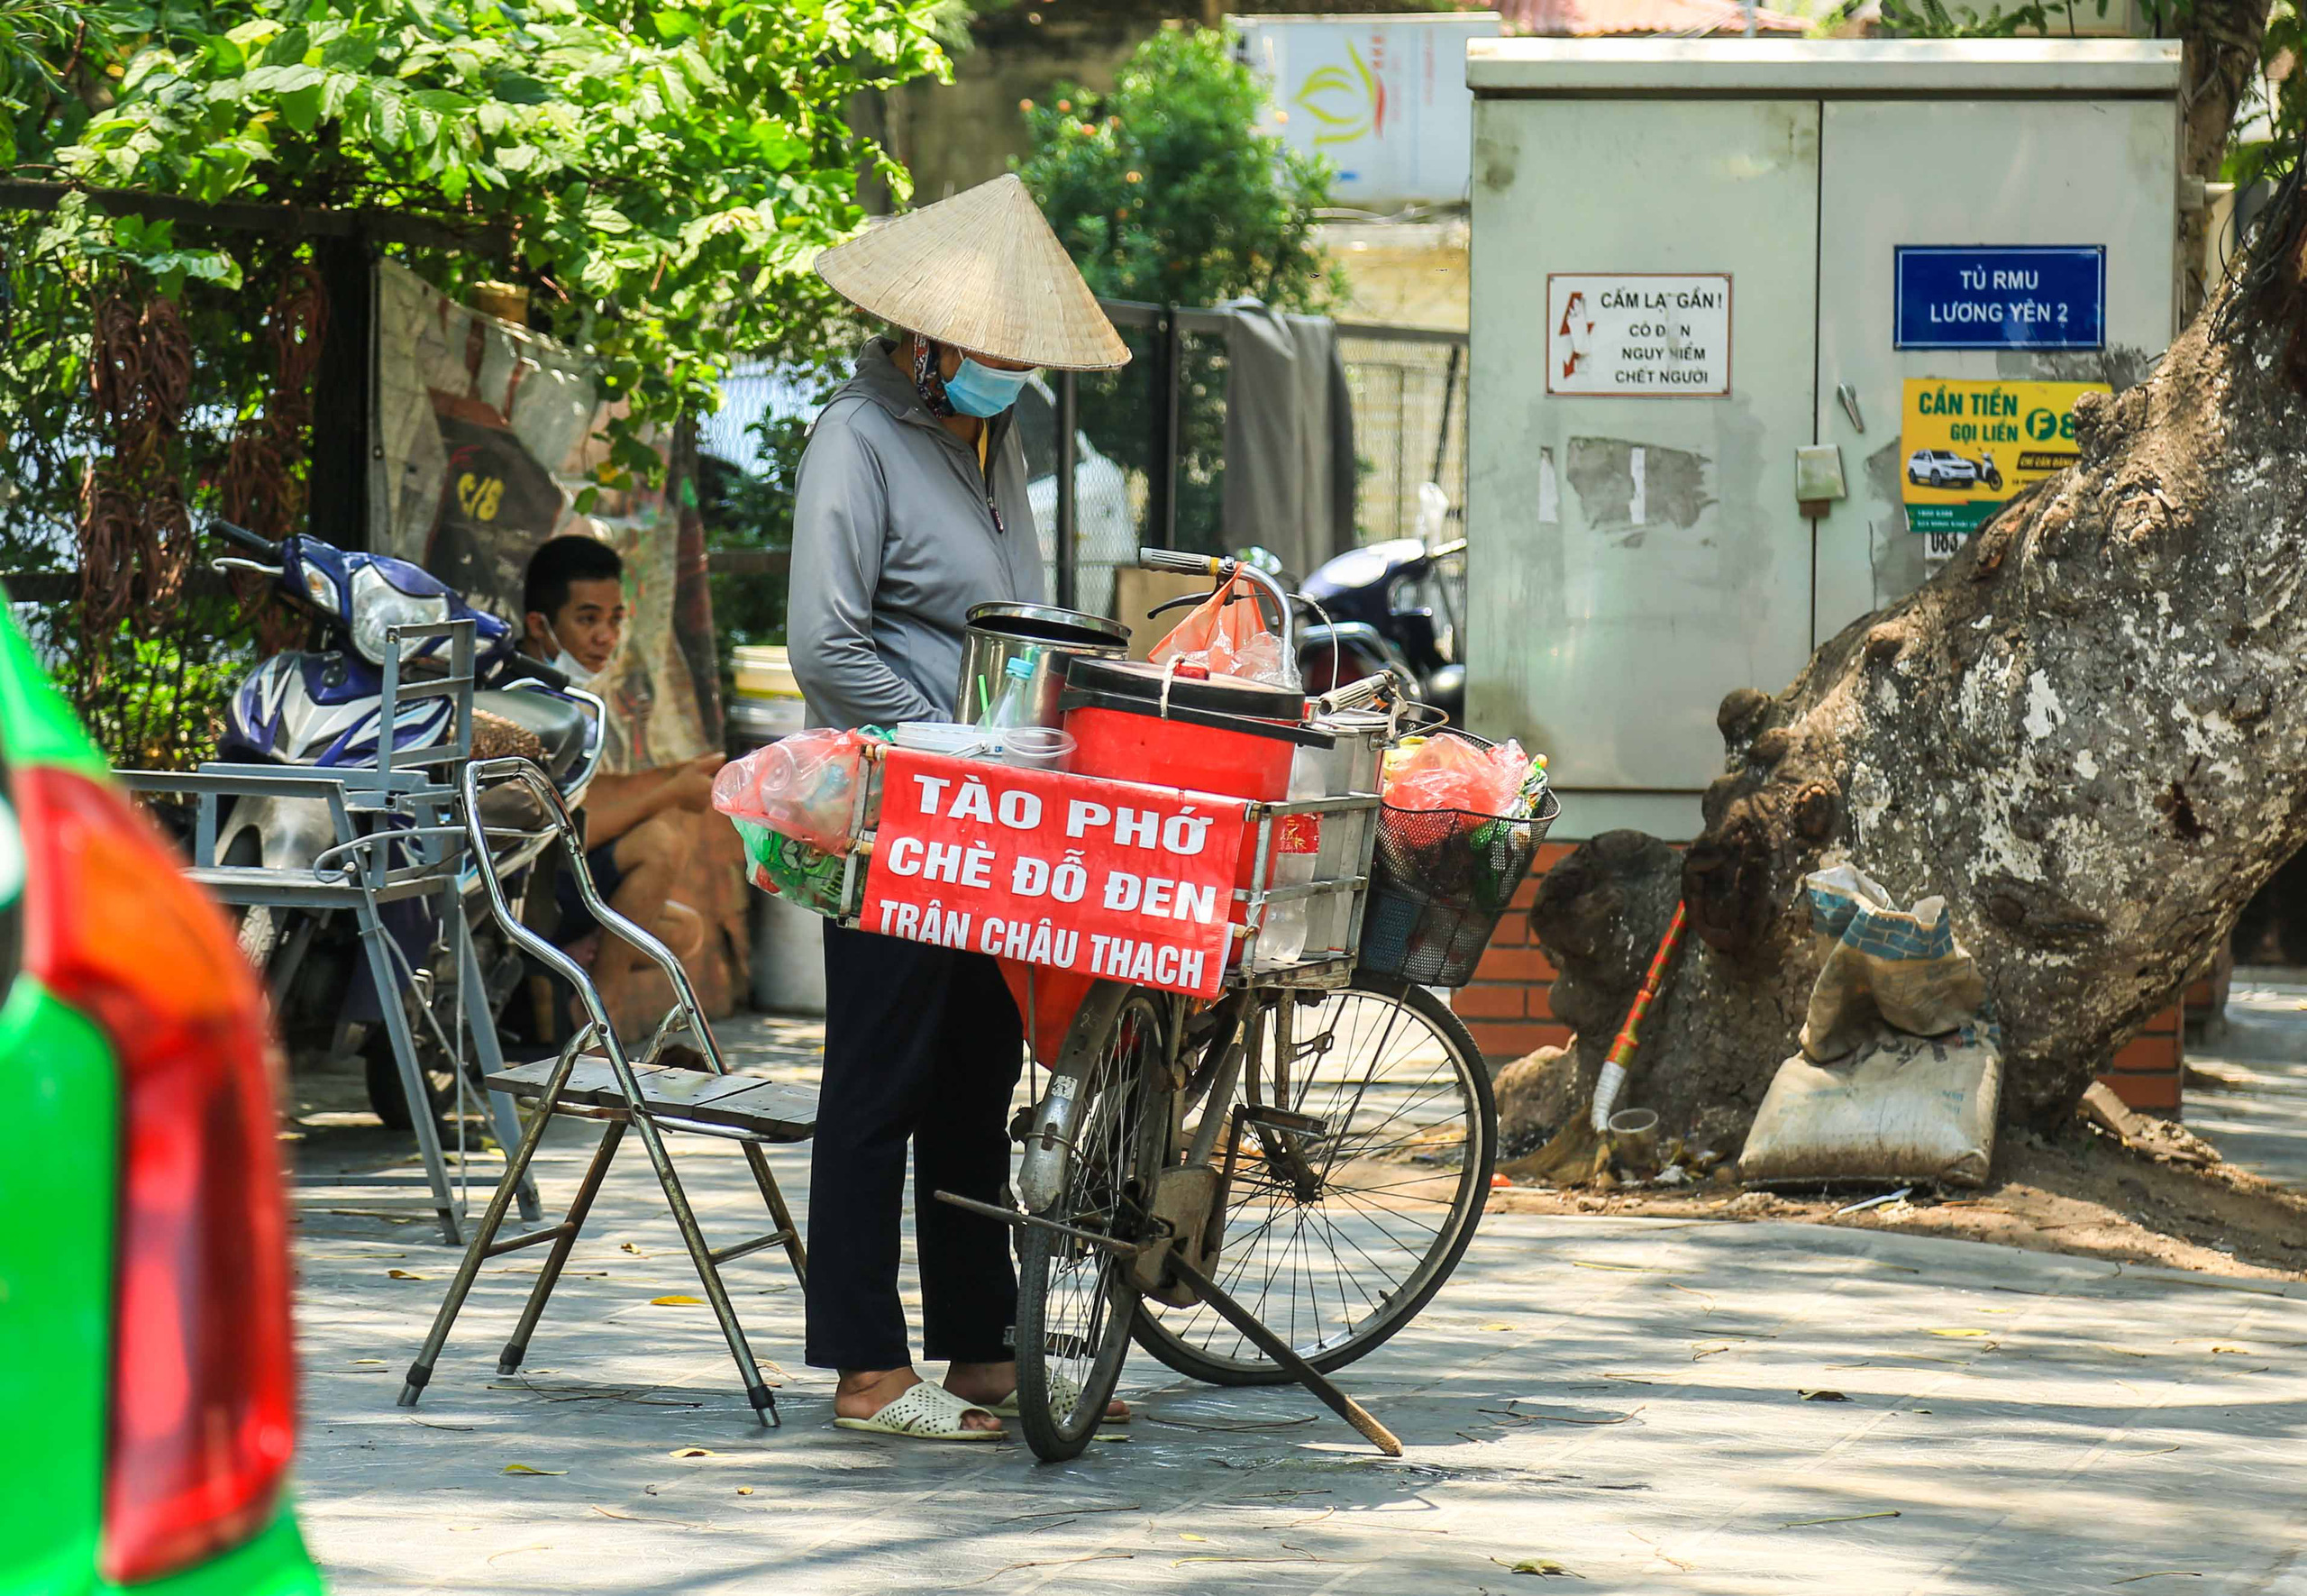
{"x": 1106, "y": 879}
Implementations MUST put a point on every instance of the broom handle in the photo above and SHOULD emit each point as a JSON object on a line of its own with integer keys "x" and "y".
{"x": 1612, "y": 1079}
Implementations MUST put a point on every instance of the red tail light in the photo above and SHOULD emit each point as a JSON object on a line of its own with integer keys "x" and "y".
{"x": 202, "y": 1377}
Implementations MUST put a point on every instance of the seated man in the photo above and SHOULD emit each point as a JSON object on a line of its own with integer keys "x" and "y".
{"x": 637, "y": 839}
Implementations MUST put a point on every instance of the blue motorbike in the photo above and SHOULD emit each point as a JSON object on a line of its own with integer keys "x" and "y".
{"x": 321, "y": 708}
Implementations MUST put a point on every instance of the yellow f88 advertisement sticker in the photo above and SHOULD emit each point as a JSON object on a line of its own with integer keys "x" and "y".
{"x": 1968, "y": 446}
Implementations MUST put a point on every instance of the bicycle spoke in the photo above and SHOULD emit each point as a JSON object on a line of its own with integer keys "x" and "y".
{"x": 1335, "y": 1230}
{"x": 1370, "y": 1210}
{"x": 1334, "y": 1240}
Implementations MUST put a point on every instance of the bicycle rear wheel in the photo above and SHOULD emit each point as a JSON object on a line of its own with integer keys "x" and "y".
{"x": 1336, "y": 1239}
{"x": 1074, "y": 1299}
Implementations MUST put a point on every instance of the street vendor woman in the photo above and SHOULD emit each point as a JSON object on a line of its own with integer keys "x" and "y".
{"x": 911, "y": 507}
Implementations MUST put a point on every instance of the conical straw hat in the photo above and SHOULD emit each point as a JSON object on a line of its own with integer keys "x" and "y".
{"x": 983, "y": 272}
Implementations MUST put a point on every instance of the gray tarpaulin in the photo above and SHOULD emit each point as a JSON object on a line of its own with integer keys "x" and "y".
{"x": 1290, "y": 468}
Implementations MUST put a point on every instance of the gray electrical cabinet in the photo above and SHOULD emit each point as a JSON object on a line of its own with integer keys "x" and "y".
{"x": 1761, "y": 330}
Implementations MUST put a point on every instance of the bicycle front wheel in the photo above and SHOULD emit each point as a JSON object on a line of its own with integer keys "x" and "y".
{"x": 1074, "y": 1299}
{"x": 1336, "y": 1238}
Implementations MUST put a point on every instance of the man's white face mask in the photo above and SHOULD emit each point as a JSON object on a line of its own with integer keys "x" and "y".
{"x": 571, "y": 666}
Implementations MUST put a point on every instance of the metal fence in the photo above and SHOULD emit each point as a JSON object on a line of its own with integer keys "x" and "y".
{"x": 1119, "y": 458}
{"x": 1409, "y": 425}
{"x": 1138, "y": 456}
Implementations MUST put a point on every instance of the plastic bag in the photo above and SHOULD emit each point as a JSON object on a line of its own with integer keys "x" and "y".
{"x": 803, "y": 787}
{"x": 1455, "y": 773}
{"x": 808, "y": 877}
{"x": 1905, "y": 970}
{"x": 1227, "y": 632}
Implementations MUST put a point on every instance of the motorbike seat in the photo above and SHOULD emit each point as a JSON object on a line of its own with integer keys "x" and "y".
{"x": 559, "y": 724}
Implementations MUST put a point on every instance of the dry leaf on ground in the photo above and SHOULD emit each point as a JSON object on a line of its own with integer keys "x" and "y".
{"x": 1544, "y": 1566}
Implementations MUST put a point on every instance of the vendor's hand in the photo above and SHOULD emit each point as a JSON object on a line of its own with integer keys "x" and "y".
{"x": 691, "y": 786}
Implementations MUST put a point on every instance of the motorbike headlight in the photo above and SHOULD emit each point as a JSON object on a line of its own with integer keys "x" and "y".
{"x": 378, "y": 604}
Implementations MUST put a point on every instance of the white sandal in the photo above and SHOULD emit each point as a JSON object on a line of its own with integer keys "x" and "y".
{"x": 1068, "y": 1393}
{"x": 926, "y": 1412}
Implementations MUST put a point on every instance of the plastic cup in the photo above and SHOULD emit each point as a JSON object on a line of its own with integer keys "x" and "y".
{"x": 950, "y": 737}
{"x": 1634, "y": 1138}
{"x": 785, "y": 771}
{"x": 1036, "y": 748}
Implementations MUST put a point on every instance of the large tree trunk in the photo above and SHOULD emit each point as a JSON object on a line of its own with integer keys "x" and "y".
{"x": 2089, "y": 732}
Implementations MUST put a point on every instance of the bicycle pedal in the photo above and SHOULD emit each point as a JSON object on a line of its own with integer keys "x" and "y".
{"x": 1282, "y": 1119}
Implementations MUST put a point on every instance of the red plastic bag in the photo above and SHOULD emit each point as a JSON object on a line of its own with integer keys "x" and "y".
{"x": 1452, "y": 773}
{"x": 1227, "y": 632}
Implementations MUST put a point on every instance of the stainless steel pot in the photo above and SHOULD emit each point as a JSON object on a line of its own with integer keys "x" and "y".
{"x": 1351, "y": 763}
{"x": 1013, "y": 659}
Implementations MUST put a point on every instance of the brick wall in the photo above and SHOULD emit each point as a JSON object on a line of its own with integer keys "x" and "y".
{"x": 1507, "y": 1006}
{"x": 2146, "y": 1072}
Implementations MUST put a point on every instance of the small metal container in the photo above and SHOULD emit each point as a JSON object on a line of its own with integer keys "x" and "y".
{"x": 1350, "y": 765}
{"x": 1013, "y": 659}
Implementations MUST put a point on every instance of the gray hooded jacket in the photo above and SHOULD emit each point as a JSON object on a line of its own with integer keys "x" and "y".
{"x": 895, "y": 536}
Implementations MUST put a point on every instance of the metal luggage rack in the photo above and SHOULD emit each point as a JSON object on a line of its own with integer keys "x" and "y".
{"x": 397, "y": 833}
{"x": 1335, "y": 902}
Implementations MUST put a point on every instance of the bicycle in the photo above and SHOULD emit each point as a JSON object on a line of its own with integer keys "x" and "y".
{"x": 1206, "y": 1173}
{"x": 1261, "y": 1187}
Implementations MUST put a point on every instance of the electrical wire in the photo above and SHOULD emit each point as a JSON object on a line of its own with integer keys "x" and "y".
{"x": 2271, "y": 245}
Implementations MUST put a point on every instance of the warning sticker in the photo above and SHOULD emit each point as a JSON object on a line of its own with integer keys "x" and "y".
{"x": 1638, "y": 335}
{"x": 1969, "y": 446}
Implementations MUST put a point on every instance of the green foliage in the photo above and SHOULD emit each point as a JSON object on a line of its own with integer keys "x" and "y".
{"x": 666, "y": 169}
{"x": 160, "y": 701}
{"x": 152, "y": 694}
{"x": 43, "y": 43}
{"x": 663, "y": 172}
{"x": 1936, "y": 19}
{"x": 2281, "y": 51}
{"x": 753, "y": 510}
{"x": 1165, "y": 190}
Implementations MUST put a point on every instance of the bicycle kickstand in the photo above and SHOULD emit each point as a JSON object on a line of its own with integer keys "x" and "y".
{"x": 1273, "y": 1346}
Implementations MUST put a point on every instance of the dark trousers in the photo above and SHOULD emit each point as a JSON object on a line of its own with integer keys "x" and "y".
{"x": 921, "y": 1042}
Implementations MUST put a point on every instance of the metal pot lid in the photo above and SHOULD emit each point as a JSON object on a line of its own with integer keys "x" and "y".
{"x": 1228, "y": 694}
{"x": 1046, "y": 622}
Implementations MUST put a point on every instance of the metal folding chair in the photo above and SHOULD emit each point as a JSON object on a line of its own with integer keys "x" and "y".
{"x": 625, "y": 1092}
{"x": 397, "y": 837}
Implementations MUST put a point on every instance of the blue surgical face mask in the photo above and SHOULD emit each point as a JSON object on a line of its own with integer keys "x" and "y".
{"x": 981, "y": 390}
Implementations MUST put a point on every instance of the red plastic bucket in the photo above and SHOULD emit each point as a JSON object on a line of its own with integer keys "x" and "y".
{"x": 1124, "y": 742}
{"x": 1124, "y": 737}
{"x": 1133, "y": 722}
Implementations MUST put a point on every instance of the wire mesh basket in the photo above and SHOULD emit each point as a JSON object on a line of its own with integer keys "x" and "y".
{"x": 1438, "y": 881}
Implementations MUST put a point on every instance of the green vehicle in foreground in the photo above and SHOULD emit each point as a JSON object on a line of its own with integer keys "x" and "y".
{"x": 147, "y": 1372}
